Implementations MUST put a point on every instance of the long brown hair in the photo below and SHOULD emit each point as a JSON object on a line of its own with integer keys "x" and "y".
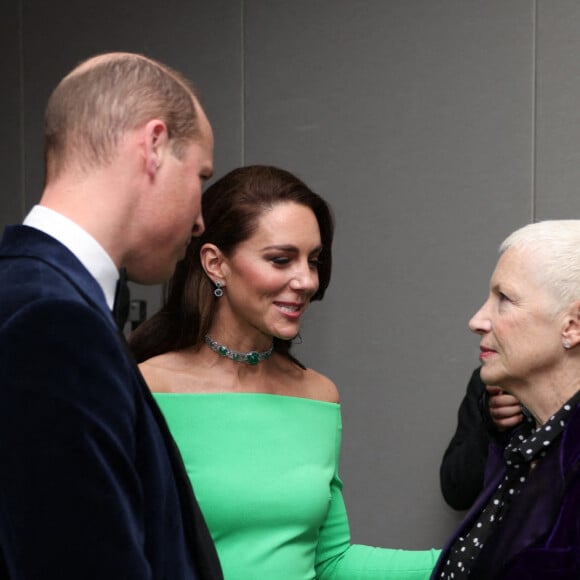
{"x": 231, "y": 209}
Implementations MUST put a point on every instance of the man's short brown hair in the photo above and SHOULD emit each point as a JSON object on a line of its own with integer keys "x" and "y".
{"x": 106, "y": 96}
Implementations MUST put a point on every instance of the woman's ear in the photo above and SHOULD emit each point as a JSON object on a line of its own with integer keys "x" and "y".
{"x": 571, "y": 332}
{"x": 213, "y": 261}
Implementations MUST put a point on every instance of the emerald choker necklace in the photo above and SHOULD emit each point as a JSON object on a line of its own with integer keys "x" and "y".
{"x": 252, "y": 358}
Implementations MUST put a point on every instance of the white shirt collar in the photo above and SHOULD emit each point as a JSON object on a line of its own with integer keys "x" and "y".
{"x": 89, "y": 252}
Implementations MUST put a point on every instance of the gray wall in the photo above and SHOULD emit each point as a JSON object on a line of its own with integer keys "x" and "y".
{"x": 433, "y": 128}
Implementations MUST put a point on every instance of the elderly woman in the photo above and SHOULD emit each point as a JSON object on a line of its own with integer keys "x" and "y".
{"x": 526, "y": 522}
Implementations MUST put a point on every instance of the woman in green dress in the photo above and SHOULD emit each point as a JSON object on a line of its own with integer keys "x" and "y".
{"x": 259, "y": 433}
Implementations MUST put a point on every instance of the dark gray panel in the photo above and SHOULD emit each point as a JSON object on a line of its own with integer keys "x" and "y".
{"x": 11, "y": 196}
{"x": 414, "y": 118}
{"x": 558, "y": 110}
{"x": 201, "y": 39}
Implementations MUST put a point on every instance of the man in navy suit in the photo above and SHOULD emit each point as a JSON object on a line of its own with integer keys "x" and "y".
{"x": 91, "y": 484}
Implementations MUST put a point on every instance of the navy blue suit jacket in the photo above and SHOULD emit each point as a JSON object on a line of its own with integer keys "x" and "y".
{"x": 91, "y": 483}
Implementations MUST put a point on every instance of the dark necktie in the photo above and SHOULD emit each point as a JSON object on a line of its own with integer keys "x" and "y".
{"x": 122, "y": 298}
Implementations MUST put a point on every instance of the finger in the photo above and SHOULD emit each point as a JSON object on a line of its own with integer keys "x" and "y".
{"x": 503, "y": 424}
{"x": 505, "y": 412}
{"x": 503, "y": 401}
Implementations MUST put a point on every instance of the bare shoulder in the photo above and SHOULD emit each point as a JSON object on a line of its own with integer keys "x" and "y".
{"x": 293, "y": 380}
{"x": 163, "y": 372}
{"x": 180, "y": 371}
{"x": 320, "y": 386}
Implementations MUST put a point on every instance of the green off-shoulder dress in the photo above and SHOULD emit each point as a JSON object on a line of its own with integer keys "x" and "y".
{"x": 265, "y": 473}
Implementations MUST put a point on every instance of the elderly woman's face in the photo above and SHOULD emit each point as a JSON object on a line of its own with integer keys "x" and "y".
{"x": 521, "y": 339}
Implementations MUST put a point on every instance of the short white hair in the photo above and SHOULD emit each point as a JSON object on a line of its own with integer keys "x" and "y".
{"x": 554, "y": 247}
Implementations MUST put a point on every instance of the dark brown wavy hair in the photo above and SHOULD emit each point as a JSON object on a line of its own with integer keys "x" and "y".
{"x": 231, "y": 209}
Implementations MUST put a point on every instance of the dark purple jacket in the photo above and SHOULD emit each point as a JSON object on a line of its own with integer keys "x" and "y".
{"x": 540, "y": 537}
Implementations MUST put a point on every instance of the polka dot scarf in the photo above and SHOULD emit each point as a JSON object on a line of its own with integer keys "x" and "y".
{"x": 525, "y": 448}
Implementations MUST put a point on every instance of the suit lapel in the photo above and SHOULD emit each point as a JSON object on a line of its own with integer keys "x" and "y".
{"x": 27, "y": 242}
{"x": 202, "y": 548}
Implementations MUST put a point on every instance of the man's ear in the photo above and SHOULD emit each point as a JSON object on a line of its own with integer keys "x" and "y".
{"x": 156, "y": 145}
{"x": 571, "y": 331}
{"x": 214, "y": 263}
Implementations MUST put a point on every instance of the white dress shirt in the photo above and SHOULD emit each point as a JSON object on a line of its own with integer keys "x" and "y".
{"x": 89, "y": 252}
